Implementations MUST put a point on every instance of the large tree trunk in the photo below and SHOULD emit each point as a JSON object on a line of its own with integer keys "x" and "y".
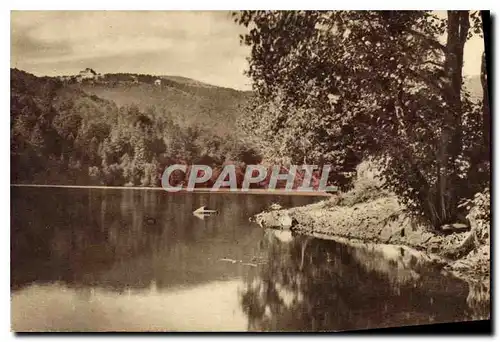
{"x": 486, "y": 109}
{"x": 451, "y": 136}
{"x": 485, "y": 19}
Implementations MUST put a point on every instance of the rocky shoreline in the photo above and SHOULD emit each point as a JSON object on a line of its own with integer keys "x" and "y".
{"x": 382, "y": 221}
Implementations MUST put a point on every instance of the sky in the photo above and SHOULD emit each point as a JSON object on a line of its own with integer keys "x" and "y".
{"x": 200, "y": 45}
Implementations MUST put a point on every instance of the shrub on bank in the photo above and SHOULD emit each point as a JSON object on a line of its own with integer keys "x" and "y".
{"x": 479, "y": 215}
{"x": 367, "y": 186}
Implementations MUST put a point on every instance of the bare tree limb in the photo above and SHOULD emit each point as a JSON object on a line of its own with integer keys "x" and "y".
{"x": 434, "y": 63}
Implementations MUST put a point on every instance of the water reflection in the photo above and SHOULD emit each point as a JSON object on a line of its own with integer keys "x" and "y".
{"x": 207, "y": 307}
{"x": 73, "y": 244}
{"x": 311, "y": 284}
{"x": 112, "y": 260}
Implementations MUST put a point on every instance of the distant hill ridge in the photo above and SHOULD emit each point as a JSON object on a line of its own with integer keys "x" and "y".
{"x": 473, "y": 84}
{"x": 188, "y": 100}
{"x": 89, "y": 74}
{"x": 190, "y": 81}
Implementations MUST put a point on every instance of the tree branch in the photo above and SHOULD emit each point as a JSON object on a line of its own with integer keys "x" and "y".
{"x": 433, "y": 63}
{"x": 432, "y": 42}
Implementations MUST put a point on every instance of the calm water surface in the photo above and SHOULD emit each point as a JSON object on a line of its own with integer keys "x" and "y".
{"x": 138, "y": 260}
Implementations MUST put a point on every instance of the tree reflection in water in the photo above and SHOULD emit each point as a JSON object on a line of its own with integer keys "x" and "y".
{"x": 100, "y": 240}
{"x": 311, "y": 284}
{"x": 106, "y": 238}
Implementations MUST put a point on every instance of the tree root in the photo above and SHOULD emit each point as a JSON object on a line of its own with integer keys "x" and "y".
{"x": 470, "y": 243}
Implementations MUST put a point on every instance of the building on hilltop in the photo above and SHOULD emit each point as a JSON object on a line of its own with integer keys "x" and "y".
{"x": 88, "y": 74}
{"x": 158, "y": 82}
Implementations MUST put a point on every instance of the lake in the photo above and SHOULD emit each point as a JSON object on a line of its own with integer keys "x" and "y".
{"x": 139, "y": 260}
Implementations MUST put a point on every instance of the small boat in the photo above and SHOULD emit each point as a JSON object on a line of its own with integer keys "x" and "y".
{"x": 205, "y": 210}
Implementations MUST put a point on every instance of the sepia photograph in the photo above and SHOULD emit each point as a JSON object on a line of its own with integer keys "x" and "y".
{"x": 250, "y": 171}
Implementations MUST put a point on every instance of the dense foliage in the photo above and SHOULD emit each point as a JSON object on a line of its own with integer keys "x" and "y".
{"x": 479, "y": 214}
{"x": 63, "y": 135}
{"x": 338, "y": 86}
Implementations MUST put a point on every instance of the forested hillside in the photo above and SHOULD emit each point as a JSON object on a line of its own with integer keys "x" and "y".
{"x": 65, "y": 134}
{"x": 189, "y": 101}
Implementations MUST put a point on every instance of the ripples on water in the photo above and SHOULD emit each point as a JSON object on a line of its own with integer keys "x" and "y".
{"x": 134, "y": 260}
